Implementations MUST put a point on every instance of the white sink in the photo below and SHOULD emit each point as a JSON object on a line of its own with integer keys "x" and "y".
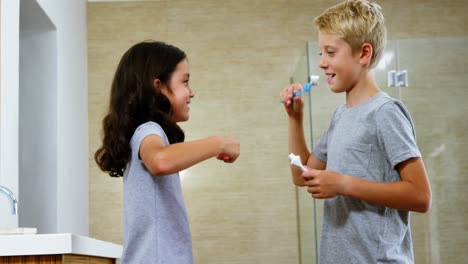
{"x": 52, "y": 244}
{"x": 18, "y": 231}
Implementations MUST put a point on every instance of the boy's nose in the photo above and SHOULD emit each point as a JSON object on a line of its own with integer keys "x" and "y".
{"x": 322, "y": 63}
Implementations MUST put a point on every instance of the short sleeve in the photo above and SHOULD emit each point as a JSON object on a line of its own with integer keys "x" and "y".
{"x": 396, "y": 133}
{"x": 144, "y": 130}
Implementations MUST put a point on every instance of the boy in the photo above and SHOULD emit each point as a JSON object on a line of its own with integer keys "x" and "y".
{"x": 366, "y": 165}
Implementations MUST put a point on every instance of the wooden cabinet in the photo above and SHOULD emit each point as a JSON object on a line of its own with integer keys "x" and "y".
{"x": 57, "y": 248}
{"x": 56, "y": 259}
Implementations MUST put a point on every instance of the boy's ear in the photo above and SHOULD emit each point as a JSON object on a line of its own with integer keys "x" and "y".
{"x": 366, "y": 53}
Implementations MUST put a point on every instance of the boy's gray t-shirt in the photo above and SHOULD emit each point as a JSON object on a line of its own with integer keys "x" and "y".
{"x": 366, "y": 141}
{"x": 156, "y": 227}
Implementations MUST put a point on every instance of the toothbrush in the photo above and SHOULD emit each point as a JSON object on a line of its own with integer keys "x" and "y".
{"x": 305, "y": 90}
{"x": 296, "y": 161}
{"x": 313, "y": 81}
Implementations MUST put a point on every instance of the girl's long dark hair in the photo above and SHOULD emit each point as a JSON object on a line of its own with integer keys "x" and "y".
{"x": 134, "y": 100}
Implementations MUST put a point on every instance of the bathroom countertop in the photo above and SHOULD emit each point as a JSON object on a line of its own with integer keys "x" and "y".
{"x": 51, "y": 244}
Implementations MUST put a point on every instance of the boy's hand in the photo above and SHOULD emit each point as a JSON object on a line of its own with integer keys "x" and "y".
{"x": 324, "y": 184}
{"x": 292, "y": 105}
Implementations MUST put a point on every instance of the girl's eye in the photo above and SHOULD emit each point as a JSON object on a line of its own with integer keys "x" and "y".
{"x": 186, "y": 82}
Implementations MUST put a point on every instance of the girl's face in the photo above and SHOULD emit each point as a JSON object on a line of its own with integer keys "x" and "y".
{"x": 180, "y": 93}
{"x": 341, "y": 66}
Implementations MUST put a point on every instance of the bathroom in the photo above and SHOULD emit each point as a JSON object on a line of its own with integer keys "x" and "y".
{"x": 241, "y": 54}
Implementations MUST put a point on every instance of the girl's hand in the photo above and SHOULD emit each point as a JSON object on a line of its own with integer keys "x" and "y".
{"x": 223, "y": 158}
{"x": 230, "y": 149}
{"x": 324, "y": 184}
{"x": 292, "y": 105}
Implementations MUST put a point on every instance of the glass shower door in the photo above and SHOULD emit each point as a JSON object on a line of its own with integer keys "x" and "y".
{"x": 436, "y": 98}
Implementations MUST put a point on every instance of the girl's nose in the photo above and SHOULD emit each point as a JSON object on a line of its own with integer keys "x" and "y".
{"x": 192, "y": 93}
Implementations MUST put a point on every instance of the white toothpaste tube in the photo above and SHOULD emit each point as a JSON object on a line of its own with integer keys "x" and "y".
{"x": 296, "y": 161}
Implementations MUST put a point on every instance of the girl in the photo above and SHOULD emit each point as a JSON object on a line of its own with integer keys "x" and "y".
{"x": 142, "y": 142}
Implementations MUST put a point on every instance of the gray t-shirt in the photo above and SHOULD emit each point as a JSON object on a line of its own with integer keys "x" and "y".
{"x": 366, "y": 141}
{"x": 156, "y": 227}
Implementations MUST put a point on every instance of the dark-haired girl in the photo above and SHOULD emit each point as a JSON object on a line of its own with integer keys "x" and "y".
{"x": 142, "y": 142}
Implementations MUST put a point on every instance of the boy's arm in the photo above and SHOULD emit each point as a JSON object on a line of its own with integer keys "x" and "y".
{"x": 412, "y": 193}
{"x": 294, "y": 106}
{"x": 297, "y": 145}
{"x": 161, "y": 159}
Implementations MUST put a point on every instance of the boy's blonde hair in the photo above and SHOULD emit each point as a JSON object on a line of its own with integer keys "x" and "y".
{"x": 356, "y": 22}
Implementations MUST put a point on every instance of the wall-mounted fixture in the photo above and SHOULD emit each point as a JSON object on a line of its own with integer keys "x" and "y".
{"x": 11, "y": 198}
{"x": 397, "y": 78}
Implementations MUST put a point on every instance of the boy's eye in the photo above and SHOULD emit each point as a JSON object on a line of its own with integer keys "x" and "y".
{"x": 328, "y": 52}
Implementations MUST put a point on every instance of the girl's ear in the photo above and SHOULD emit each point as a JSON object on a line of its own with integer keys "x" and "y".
{"x": 366, "y": 53}
{"x": 161, "y": 87}
{"x": 157, "y": 84}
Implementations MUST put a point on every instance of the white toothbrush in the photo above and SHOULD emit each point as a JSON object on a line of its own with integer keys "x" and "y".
{"x": 296, "y": 161}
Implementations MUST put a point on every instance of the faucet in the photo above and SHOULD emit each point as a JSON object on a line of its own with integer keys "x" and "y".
{"x": 11, "y": 197}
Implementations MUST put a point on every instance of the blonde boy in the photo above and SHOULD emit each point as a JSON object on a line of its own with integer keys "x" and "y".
{"x": 366, "y": 165}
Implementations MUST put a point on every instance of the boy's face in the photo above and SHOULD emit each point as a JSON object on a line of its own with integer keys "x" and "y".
{"x": 341, "y": 66}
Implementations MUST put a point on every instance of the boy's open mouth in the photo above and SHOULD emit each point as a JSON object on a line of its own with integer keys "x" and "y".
{"x": 330, "y": 77}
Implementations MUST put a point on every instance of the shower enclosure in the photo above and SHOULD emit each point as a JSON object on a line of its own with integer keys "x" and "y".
{"x": 429, "y": 76}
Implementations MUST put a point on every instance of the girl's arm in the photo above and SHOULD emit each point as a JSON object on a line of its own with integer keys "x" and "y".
{"x": 412, "y": 193}
{"x": 161, "y": 159}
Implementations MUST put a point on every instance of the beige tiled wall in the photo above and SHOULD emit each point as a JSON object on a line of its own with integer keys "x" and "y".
{"x": 241, "y": 54}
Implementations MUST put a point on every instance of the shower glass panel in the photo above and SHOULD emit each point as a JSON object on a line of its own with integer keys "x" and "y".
{"x": 436, "y": 98}
{"x": 307, "y": 208}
